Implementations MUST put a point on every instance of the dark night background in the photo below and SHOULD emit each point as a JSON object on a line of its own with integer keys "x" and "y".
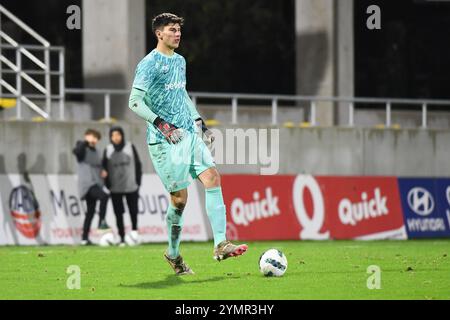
{"x": 410, "y": 56}
{"x": 248, "y": 46}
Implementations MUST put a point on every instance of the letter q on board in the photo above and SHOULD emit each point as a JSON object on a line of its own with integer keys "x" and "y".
{"x": 311, "y": 227}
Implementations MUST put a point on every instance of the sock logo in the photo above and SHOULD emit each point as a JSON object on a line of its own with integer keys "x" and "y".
{"x": 244, "y": 213}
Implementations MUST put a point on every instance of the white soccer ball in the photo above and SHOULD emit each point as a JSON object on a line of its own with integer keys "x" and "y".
{"x": 107, "y": 240}
{"x": 273, "y": 263}
{"x": 132, "y": 238}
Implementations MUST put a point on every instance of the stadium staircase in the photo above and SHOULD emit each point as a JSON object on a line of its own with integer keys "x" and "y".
{"x": 25, "y": 71}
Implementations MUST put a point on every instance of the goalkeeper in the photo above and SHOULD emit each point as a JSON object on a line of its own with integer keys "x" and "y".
{"x": 178, "y": 154}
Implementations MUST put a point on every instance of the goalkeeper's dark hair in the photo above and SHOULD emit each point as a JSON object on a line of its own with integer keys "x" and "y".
{"x": 164, "y": 19}
{"x": 94, "y": 133}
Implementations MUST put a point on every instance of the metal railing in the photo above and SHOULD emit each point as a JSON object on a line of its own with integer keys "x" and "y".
{"x": 107, "y": 93}
{"x": 43, "y": 68}
{"x": 274, "y": 100}
{"x": 313, "y": 100}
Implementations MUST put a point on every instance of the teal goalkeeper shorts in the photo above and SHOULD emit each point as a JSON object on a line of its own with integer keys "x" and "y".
{"x": 178, "y": 164}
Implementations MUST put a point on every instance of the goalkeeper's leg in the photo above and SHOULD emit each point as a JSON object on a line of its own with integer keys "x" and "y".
{"x": 216, "y": 211}
{"x": 174, "y": 219}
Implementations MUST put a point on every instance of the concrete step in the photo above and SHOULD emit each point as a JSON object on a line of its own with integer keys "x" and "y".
{"x": 73, "y": 111}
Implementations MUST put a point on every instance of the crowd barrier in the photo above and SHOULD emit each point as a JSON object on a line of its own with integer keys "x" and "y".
{"x": 46, "y": 209}
{"x": 336, "y": 207}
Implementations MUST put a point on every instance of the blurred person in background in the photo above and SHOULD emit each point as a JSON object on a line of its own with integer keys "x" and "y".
{"x": 124, "y": 173}
{"x": 90, "y": 181}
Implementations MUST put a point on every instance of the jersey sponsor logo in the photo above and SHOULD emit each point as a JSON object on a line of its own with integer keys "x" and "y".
{"x": 175, "y": 85}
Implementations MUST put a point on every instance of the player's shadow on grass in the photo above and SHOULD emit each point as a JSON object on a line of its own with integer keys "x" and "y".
{"x": 173, "y": 280}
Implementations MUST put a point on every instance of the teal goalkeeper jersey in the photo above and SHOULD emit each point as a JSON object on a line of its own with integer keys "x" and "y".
{"x": 163, "y": 79}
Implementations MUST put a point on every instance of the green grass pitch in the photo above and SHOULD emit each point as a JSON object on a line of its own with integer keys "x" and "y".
{"x": 316, "y": 270}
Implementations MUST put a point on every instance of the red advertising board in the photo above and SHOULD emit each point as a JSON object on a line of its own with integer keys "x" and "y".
{"x": 362, "y": 207}
{"x": 259, "y": 207}
{"x": 307, "y": 207}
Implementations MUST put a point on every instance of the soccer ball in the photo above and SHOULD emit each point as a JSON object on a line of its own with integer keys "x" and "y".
{"x": 273, "y": 262}
{"x": 132, "y": 238}
{"x": 107, "y": 240}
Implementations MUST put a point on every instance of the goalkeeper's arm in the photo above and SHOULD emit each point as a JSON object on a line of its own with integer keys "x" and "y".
{"x": 137, "y": 105}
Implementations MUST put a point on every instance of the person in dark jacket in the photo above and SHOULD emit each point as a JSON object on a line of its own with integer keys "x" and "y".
{"x": 124, "y": 173}
{"x": 90, "y": 181}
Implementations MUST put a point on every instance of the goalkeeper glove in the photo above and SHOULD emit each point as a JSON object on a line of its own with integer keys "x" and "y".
{"x": 206, "y": 133}
{"x": 172, "y": 133}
